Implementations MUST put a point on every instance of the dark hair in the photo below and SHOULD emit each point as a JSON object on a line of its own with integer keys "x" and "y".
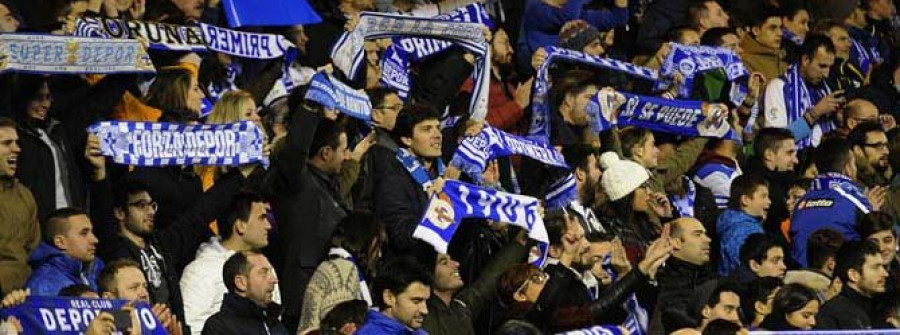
{"x": 377, "y": 95}
{"x": 709, "y": 294}
{"x": 75, "y": 291}
{"x": 555, "y": 221}
{"x": 852, "y": 256}
{"x": 328, "y": 133}
{"x": 744, "y": 185}
{"x": 768, "y": 139}
{"x": 350, "y": 311}
{"x": 240, "y": 208}
{"x": 397, "y": 275}
{"x": 169, "y": 89}
{"x": 237, "y": 264}
{"x": 130, "y": 186}
{"x": 356, "y": 233}
{"x": 823, "y": 26}
{"x": 512, "y": 279}
{"x": 763, "y": 14}
{"x": 6, "y": 122}
{"x": 597, "y": 237}
{"x": 822, "y": 245}
{"x": 857, "y": 136}
{"x": 57, "y": 222}
{"x": 721, "y": 327}
{"x": 802, "y": 183}
{"x": 813, "y": 42}
{"x": 790, "y": 298}
{"x": 631, "y": 137}
{"x": 675, "y": 317}
{"x": 875, "y": 222}
{"x": 713, "y": 36}
{"x": 832, "y": 155}
{"x": 409, "y": 117}
{"x": 106, "y": 281}
{"x": 518, "y": 327}
{"x": 696, "y": 11}
{"x": 568, "y": 83}
{"x": 577, "y": 155}
{"x": 790, "y": 9}
{"x": 755, "y": 248}
{"x": 677, "y": 33}
{"x": 757, "y": 291}
{"x": 25, "y": 89}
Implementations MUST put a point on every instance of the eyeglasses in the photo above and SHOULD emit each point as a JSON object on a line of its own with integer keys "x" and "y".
{"x": 144, "y": 205}
{"x": 537, "y": 279}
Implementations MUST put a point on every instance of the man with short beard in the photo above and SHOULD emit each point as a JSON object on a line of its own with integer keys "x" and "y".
{"x": 870, "y": 147}
{"x": 587, "y": 173}
{"x": 862, "y": 269}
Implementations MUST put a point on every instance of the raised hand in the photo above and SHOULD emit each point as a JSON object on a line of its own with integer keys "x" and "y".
{"x": 362, "y": 147}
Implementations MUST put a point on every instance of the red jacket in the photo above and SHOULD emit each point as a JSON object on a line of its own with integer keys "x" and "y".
{"x": 503, "y": 111}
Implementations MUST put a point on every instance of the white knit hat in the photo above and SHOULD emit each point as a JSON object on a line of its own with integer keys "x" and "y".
{"x": 621, "y": 176}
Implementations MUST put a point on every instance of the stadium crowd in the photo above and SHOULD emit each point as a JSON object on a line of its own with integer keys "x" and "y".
{"x": 789, "y": 223}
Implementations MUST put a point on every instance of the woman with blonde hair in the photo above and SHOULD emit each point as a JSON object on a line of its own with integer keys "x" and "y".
{"x": 233, "y": 106}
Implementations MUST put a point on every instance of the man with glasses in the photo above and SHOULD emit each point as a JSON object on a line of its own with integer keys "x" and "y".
{"x": 386, "y": 105}
{"x": 870, "y": 147}
{"x": 125, "y": 222}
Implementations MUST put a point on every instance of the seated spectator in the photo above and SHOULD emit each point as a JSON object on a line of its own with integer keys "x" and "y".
{"x": 344, "y": 319}
{"x": 80, "y": 291}
{"x": 870, "y": 150}
{"x": 834, "y": 200}
{"x": 243, "y": 226}
{"x": 845, "y": 73}
{"x": 794, "y": 308}
{"x": 809, "y": 116}
{"x": 747, "y": 208}
{"x": 857, "y": 111}
{"x": 722, "y": 37}
{"x": 124, "y": 279}
{"x": 715, "y": 300}
{"x": 878, "y": 227}
{"x": 761, "y": 256}
{"x": 756, "y": 300}
{"x": 18, "y": 214}
{"x": 684, "y": 35}
{"x": 687, "y": 269}
{"x": 716, "y": 169}
{"x": 795, "y": 191}
{"x": 355, "y": 251}
{"x": 66, "y": 255}
{"x": 401, "y": 292}
{"x": 723, "y": 327}
{"x": 821, "y": 250}
{"x": 247, "y": 308}
{"x": 862, "y": 270}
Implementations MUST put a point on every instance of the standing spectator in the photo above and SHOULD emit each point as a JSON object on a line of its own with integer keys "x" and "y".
{"x": 587, "y": 179}
{"x": 386, "y": 106}
{"x": 762, "y": 46}
{"x": 862, "y": 270}
{"x": 21, "y": 232}
{"x": 795, "y": 26}
{"x": 835, "y": 200}
{"x": 401, "y": 292}
{"x": 9, "y": 19}
{"x": 705, "y": 15}
{"x": 581, "y": 36}
{"x": 870, "y": 151}
{"x": 800, "y": 100}
{"x": 716, "y": 300}
{"x": 247, "y": 308}
{"x": 66, "y": 255}
{"x": 794, "y": 308}
{"x": 761, "y": 256}
{"x": 879, "y": 14}
{"x": 660, "y": 17}
{"x": 567, "y": 247}
{"x": 747, "y": 209}
{"x": 544, "y": 18}
{"x": 756, "y": 301}
{"x": 243, "y": 226}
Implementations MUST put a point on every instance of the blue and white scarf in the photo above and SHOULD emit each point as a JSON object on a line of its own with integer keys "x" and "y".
{"x": 416, "y": 169}
{"x": 462, "y": 201}
{"x": 360, "y": 274}
{"x": 170, "y": 37}
{"x": 638, "y": 321}
{"x": 474, "y": 153}
{"x": 71, "y": 316}
{"x": 790, "y": 36}
{"x": 685, "y": 204}
{"x": 160, "y": 36}
{"x": 861, "y": 57}
{"x": 348, "y": 53}
{"x": 64, "y": 54}
{"x": 596, "y": 330}
{"x": 395, "y": 71}
{"x": 608, "y": 108}
{"x": 245, "y": 44}
{"x": 843, "y": 185}
{"x": 798, "y": 99}
{"x": 164, "y": 144}
{"x": 333, "y": 94}
{"x": 540, "y": 118}
{"x": 691, "y": 61}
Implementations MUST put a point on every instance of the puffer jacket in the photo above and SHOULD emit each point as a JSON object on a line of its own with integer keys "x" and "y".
{"x": 380, "y": 324}
{"x": 53, "y": 271}
{"x": 241, "y": 316}
{"x": 202, "y": 288}
{"x": 733, "y": 228}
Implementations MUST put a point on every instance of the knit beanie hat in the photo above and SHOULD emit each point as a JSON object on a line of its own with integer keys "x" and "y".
{"x": 620, "y": 176}
{"x": 577, "y": 34}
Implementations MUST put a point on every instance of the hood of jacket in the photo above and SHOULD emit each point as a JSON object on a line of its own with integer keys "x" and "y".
{"x": 46, "y": 254}
{"x": 378, "y": 323}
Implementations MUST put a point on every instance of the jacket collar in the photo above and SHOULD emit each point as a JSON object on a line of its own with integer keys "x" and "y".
{"x": 676, "y": 267}
{"x": 241, "y": 306}
{"x": 386, "y": 325}
{"x": 857, "y": 299}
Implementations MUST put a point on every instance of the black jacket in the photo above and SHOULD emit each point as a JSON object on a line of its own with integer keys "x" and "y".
{"x": 848, "y": 310}
{"x": 174, "y": 188}
{"x": 779, "y": 182}
{"x": 565, "y": 288}
{"x": 240, "y": 316}
{"x": 177, "y": 243}
{"x": 677, "y": 281}
{"x": 37, "y": 171}
{"x": 307, "y": 205}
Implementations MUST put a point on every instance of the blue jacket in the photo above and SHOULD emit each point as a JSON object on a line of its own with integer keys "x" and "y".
{"x": 733, "y": 227}
{"x": 836, "y": 205}
{"x": 380, "y": 324}
{"x": 544, "y": 22}
{"x": 54, "y": 271}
